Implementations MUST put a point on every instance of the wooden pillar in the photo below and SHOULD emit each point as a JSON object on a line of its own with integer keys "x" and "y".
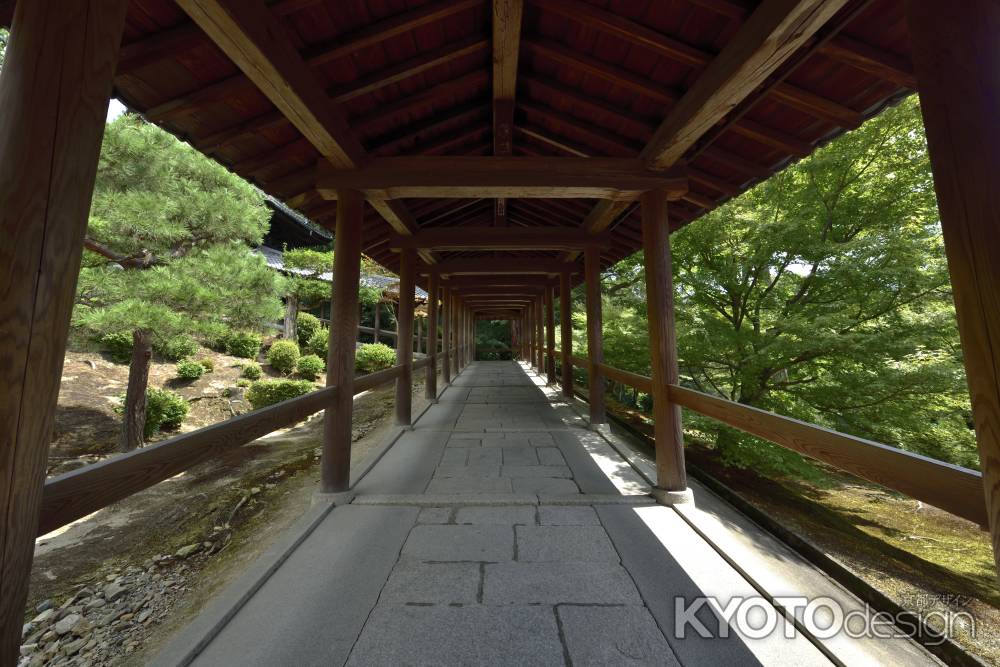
{"x": 550, "y": 342}
{"x": 529, "y": 328}
{"x": 419, "y": 327}
{"x": 956, "y": 57}
{"x": 55, "y": 88}
{"x": 540, "y": 306}
{"x": 430, "y": 381}
{"x": 595, "y": 342}
{"x": 336, "y": 463}
{"x": 446, "y": 306}
{"x": 456, "y": 327}
{"x": 404, "y": 336}
{"x": 377, "y": 324}
{"x": 566, "y": 333}
{"x": 670, "y": 474}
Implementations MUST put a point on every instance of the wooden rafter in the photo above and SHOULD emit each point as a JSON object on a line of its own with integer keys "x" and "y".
{"x": 506, "y": 47}
{"x": 498, "y": 266}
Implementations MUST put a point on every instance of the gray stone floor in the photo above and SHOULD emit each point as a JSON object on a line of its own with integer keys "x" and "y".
{"x": 499, "y": 531}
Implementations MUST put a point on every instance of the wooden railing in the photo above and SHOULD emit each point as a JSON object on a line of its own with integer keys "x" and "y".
{"x": 75, "y": 494}
{"x": 949, "y": 487}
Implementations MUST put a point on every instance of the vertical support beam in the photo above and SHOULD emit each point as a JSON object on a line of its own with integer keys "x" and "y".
{"x": 550, "y": 343}
{"x": 956, "y": 57}
{"x": 446, "y": 306}
{"x": 418, "y": 346}
{"x": 335, "y": 475}
{"x": 430, "y": 382}
{"x": 670, "y": 473}
{"x": 540, "y": 333}
{"x": 456, "y": 326}
{"x": 566, "y": 333}
{"x": 595, "y": 338}
{"x": 55, "y": 88}
{"x": 529, "y": 333}
{"x": 404, "y": 336}
{"x": 377, "y": 324}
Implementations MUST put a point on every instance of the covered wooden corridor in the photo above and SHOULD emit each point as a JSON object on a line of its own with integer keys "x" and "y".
{"x": 500, "y": 530}
{"x": 499, "y": 153}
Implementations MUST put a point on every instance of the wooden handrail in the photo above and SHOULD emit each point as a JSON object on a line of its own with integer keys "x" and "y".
{"x": 581, "y": 362}
{"x": 952, "y": 488}
{"x": 75, "y": 494}
{"x": 640, "y": 382}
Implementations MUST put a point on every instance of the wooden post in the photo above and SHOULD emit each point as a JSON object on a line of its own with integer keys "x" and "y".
{"x": 377, "y": 324}
{"x": 404, "y": 337}
{"x": 670, "y": 474}
{"x": 291, "y": 317}
{"x": 430, "y": 382}
{"x": 956, "y": 57}
{"x": 595, "y": 343}
{"x": 456, "y": 329}
{"x": 566, "y": 333}
{"x": 55, "y": 88}
{"x": 540, "y": 310}
{"x": 529, "y": 335}
{"x": 550, "y": 342}
{"x": 446, "y": 305}
{"x": 335, "y": 473}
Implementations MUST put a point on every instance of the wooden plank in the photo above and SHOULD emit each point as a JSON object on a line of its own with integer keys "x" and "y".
{"x": 396, "y": 24}
{"x": 335, "y": 465}
{"x": 870, "y": 59}
{"x": 595, "y": 339}
{"x": 498, "y": 238}
{"x": 506, "y": 47}
{"x": 668, "y": 434}
{"x": 76, "y": 494}
{"x": 957, "y": 60}
{"x": 404, "y": 337}
{"x": 55, "y": 84}
{"x": 473, "y": 177}
{"x": 951, "y": 488}
{"x": 775, "y": 30}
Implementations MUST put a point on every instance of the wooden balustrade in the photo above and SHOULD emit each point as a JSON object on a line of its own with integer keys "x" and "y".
{"x": 949, "y": 487}
{"x": 75, "y": 494}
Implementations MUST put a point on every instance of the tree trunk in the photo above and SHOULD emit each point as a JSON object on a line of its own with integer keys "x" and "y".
{"x": 134, "y": 421}
{"x": 291, "y": 317}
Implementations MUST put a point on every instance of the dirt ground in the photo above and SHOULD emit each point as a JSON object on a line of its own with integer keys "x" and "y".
{"x": 233, "y": 507}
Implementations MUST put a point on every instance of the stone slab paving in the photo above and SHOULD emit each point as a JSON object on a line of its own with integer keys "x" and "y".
{"x": 498, "y": 531}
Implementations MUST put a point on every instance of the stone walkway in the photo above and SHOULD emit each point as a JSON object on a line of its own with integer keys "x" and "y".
{"x": 498, "y": 531}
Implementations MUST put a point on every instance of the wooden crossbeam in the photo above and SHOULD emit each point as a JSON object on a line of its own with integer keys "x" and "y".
{"x": 499, "y": 238}
{"x": 477, "y": 177}
{"x": 495, "y": 267}
{"x": 506, "y": 46}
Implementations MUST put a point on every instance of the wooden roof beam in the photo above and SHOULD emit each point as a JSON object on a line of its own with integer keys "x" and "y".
{"x": 499, "y": 238}
{"x": 478, "y": 177}
{"x": 247, "y": 33}
{"x": 869, "y": 59}
{"x": 775, "y": 30}
{"x": 495, "y": 267}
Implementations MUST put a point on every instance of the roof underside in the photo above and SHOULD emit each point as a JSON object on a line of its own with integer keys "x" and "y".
{"x": 595, "y": 78}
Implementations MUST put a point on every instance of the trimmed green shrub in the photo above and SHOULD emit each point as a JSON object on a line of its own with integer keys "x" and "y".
{"x": 118, "y": 345}
{"x": 283, "y": 356}
{"x": 214, "y": 335}
{"x": 372, "y": 357}
{"x": 176, "y": 348}
{"x": 243, "y": 382}
{"x": 306, "y": 325}
{"x": 189, "y": 370}
{"x": 245, "y": 344}
{"x": 310, "y": 366}
{"x": 207, "y": 364}
{"x": 268, "y": 392}
{"x": 165, "y": 411}
{"x": 319, "y": 342}
{"x": 252, "y": 371}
